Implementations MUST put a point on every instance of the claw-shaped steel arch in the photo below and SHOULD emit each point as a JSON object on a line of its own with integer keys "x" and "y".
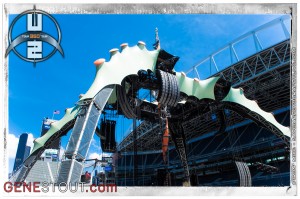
{"x": 128, "y": 62}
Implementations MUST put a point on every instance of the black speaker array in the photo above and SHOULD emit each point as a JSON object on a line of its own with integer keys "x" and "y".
{"x": 107, "y": 135}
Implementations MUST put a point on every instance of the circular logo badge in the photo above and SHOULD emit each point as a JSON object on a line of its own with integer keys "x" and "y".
{"x": 34, "y": 36}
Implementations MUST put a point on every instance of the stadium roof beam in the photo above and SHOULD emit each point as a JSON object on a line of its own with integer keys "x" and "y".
{"x": 258, "y": 64}
{"x": 233, "y": 50}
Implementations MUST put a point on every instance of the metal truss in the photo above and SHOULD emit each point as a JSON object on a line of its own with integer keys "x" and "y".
{"x": 144, "y": 128}
{"x": 258, "y": 119}
{"x": 258, "y": 64}
{"x": 264, "y": 77}
{"x": 80, "y": 140}
{"x": 218, "y": 151}
{"x": 177, "y": 133}
{"x": 211, "y": 156}
{"x": 235, "y": 53}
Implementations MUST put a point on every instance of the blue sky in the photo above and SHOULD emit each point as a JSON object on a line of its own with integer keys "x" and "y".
{"x": 35, "y": 92}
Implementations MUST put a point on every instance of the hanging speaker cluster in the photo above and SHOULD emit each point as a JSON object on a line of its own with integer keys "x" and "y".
{"x": 107, "y": 135}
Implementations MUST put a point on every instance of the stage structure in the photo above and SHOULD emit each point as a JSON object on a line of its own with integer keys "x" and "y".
{"x": 175, "y": 98}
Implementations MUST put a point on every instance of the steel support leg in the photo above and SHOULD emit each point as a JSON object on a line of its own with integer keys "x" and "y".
{"x": 177, "y": 134}
{"x": 135, "y": 156}
{"x": 81, "y": 137}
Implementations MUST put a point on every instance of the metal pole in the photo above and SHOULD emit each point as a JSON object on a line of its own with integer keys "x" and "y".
{"x": 135, "y": 157}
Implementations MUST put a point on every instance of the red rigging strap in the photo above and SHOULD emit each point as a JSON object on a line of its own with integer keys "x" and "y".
{"x": 165, "y": 142}
{"x": 165, "y": 138}
{"x": 158, "y": 108}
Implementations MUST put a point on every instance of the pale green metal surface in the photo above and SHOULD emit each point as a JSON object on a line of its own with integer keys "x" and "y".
{"x": 128, "y": 62}
{"x": 236, "y": 95}
{"x": 70, "y": 114}
{"x": 199, "y": 88}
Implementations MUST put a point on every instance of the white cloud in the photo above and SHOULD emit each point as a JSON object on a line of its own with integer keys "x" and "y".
{"x": 95, "y": 156}
{"x": 61, "y": 152}
{"x": 30, "y": 140}
{"x": 106, "y": 154}
{"x": 98, "y": 156}
{"x": 12, "y": 145}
